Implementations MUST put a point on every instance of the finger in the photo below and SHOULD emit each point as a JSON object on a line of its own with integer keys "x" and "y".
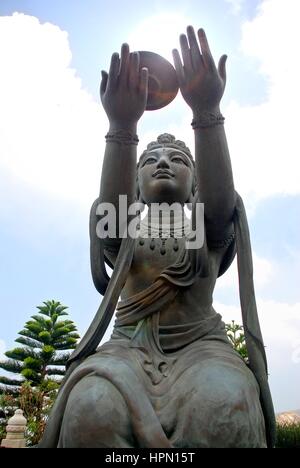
{"x": 113, "y": 70}
{"x": 103, "y": 82}
{"x": 186, "y": 53}
{"x": 134, "y": 65}
{"x": 143, "y": 85}
{"x": 124, "y": 65}
{"x": 178, "y": 67}
{"x": 206, "y": 53}
{"x": 222, "y": 67}
{"x": 194, "y": 48}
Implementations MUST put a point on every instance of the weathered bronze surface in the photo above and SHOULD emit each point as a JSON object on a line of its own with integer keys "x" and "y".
{"x": 168, "y": 377}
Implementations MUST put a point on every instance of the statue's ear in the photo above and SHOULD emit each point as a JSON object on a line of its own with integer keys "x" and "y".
{"x": 138, "y": 193}
{"x": 190, "y": 200}
{"x": 194, "y": 192}
{"x": 140, "y": 199}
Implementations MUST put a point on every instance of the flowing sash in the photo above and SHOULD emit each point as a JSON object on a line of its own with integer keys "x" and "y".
{"x": 182, "y": 274}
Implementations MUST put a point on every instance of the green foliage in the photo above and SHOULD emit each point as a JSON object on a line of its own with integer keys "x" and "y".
{"x": 7, "y": 407}
{"x": 43, "y": 338}
{"x": 36, "y": 404}
{"x": 288, "y": 435}
{"x": 31, "y": 375}
{"x": 29, "y": 342}
{"x": 11, "y": 365}
{"x": 2, "y": 431}
{"x": 40, "y": 364}
{"x": 236, "y": 337}
{"x": 12, "y": 382}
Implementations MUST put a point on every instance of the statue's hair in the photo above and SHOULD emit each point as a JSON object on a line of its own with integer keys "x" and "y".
{"x": 167, "y": 140}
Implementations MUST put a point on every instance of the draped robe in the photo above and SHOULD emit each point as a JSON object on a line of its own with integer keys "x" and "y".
{"x": 163, "y": 372}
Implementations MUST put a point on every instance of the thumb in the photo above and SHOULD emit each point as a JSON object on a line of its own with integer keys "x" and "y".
{"x": 222, "y": 67}
{"x": 143, "y": 85}
{"x": 103, "y": 84}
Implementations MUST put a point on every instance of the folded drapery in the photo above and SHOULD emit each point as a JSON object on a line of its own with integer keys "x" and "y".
{"x": 148, "y": 303}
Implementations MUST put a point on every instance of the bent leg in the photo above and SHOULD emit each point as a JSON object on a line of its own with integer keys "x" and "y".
{"x": 96, "y": 416}
{"x": 219, "y": 407}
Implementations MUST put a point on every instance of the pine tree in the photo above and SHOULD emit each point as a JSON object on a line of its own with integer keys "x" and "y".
{"x": 41, "y": 360}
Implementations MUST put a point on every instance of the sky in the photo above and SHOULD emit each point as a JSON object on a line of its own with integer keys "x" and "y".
{"x": 52, "y": 131}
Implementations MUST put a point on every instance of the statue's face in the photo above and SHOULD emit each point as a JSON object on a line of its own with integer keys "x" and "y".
{"x": 165, "y": 175}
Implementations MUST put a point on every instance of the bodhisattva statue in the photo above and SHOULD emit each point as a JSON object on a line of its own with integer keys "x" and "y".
{"x": 168, "y": 377}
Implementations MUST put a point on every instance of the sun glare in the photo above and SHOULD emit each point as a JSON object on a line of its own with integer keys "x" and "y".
{"x": 159, "y": 33}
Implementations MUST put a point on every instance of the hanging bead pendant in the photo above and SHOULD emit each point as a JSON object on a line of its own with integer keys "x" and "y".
{"x": 175, "y": 245}
{"x": 163, "y": 246}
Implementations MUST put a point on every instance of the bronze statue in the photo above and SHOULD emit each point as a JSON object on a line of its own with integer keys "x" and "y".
{"x": 168, "y": 377}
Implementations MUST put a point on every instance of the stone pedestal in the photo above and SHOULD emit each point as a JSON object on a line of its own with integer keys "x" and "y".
{"x": 15, "y": 431}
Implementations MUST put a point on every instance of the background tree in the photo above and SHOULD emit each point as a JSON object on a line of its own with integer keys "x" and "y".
{"x": 46, "y": 340}
{"x": 40, "y": 364}
{"x": 236, "y": 336}
{"x": 7, "y": 407}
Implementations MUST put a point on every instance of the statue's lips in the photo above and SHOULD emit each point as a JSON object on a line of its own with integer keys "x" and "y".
{"x": 163, "y": 174}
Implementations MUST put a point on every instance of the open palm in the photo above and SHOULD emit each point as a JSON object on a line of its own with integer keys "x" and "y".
{"x": 201, "y": 83}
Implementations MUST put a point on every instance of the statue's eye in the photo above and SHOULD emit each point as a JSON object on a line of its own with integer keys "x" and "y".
{"x": 178, "y": 159}
{"x": 149, "y": 161}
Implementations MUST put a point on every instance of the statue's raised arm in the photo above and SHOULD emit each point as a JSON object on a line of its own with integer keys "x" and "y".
{"x": 123, "y": 94}
{"x": 202, "y": 85}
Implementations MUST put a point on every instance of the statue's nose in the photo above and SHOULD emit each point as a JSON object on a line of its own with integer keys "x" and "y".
{"x": 163, "y": 162}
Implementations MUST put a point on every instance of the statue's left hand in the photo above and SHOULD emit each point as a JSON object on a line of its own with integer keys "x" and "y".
{"x": 202, "y": 84}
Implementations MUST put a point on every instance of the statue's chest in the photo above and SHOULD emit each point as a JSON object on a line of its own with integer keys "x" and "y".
{"x": 151, "y": 257}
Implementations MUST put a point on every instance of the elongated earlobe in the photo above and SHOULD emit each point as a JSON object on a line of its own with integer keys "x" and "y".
{"x": 139, "y": 197}
{"x": 193, "y": 193}
{"x": 190, "y": 200}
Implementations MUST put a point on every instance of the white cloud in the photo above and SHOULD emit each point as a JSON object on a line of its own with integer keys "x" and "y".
{"x": 280, "y": 323}
{"x": 2, "y": 349}
{"x": 271, "y": 36}
{"x": 263, "y": 139}
{"x": 168, "y": 26}
{"x": 235, "y": 6}
{"x": 50, "y": 127}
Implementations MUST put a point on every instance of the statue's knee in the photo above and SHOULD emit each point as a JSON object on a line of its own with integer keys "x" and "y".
{"x": 229, "y": 385}
{"x": 95, "y": 415}
{"x": 222, "y": 408}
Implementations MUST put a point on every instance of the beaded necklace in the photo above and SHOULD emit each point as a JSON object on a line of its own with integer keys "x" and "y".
{"x": 159, "y": 231}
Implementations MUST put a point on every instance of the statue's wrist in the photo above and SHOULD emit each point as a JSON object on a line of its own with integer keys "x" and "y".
{"x": 207, "y": 118}
{"x": 117, "y": 126}
{"x": 198, "y": 111}
{"x": 125, "y": 135}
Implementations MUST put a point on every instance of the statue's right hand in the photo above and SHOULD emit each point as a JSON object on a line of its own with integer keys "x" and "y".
{"x": 124, "y": 90}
